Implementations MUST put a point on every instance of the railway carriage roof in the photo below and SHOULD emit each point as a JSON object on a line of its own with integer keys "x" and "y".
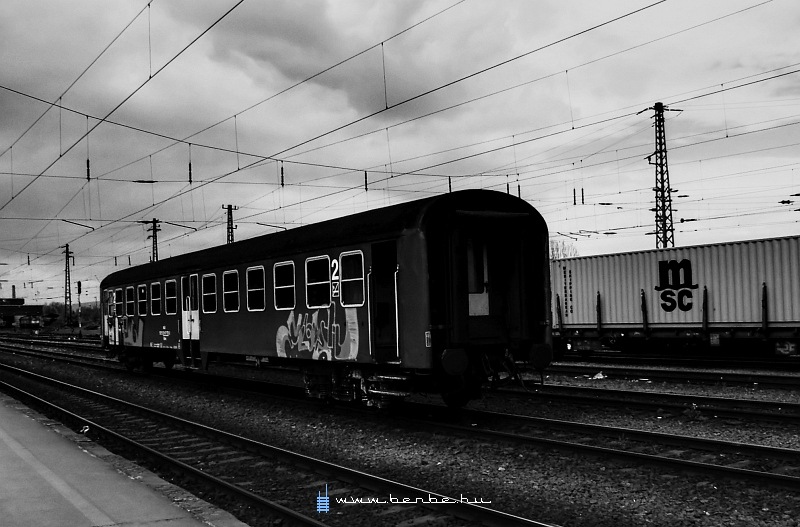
{"x": 372, "y": 225}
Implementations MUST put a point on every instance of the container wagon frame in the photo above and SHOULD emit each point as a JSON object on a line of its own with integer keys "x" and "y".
{"x": 737, "y": 299}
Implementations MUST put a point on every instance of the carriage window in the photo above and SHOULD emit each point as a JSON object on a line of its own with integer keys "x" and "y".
{"x": 141, "y": 299}
{"x": 255, "y": 289}
{"x": 352, "y": 280}
{"x": 230, "y": 291}
{"x": 130, "y": 302}
{"x": 155, "y": 298}
{"x": 118, "y": 302}
{"x": 171, "y": 297}
{"x": 318, "y": 282}
{"x": 477, "y": 271}
{"x": 283, "y": 278}
{"x": 209, "y": 293}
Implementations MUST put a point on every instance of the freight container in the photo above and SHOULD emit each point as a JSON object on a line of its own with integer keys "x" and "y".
{"x": 740, "y": 297}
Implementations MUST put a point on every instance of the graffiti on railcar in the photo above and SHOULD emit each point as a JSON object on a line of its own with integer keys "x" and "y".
{"x": 132, "y": 331}
{"x": 319, "y": 335}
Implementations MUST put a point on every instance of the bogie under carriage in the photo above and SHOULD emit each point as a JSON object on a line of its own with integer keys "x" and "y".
{"x": 432, "y": 295}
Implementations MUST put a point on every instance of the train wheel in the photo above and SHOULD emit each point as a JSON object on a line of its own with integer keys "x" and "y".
{"x": 462, "y": 389}
{"x": 129, "y": 362}
{"x": 457, "y": 399}
{"x": 169, "y": 362}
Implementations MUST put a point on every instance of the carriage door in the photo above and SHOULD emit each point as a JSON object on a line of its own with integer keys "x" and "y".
{"x": 190, "y": 320}
{"x": 111, "y": 325}
{"x": 383, "y": 275}
{"x": 481, "y": 280}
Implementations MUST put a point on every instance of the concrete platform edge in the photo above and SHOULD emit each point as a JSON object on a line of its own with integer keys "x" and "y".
{"x": 198, "y": 508}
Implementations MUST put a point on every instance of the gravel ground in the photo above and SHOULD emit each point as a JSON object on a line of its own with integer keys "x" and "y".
{"x": 739, "y": 391}
{"x": 698, "y": 424}
{"x": 539, "y": 483}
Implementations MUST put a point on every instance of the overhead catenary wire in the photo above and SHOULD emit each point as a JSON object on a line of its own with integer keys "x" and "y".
{"x": 583, "y": 64}
{"x": 350, "y": 188}
{"x": 79, "y": 77}
{"x": 342, "y": 167}
{"x": 126, "y": 99}
{"x": 511, "y": 145}
{"x": 297, "y": 84}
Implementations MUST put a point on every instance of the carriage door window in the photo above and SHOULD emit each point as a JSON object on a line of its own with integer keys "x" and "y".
{"x": 111, "y": 309}
{"x": 477, "y": 277}
{"x": 190, "y": 307}
{"x": 118, "y": 302}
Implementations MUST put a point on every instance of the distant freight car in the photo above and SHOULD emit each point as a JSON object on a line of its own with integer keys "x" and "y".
{"x": 729, "y": 298}
{"x": 431, "y": 295}
{"x": 14, "y": 313}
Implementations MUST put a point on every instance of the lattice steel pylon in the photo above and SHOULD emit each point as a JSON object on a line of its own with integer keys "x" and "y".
{"x": 231, "y": 226}
{"x": 665, "y": 231}
{"x": 67, "y": 287}
{"x": 154, "y": 229}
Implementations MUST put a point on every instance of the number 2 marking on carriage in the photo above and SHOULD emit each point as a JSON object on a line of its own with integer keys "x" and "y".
{"x": 335, "y": 278}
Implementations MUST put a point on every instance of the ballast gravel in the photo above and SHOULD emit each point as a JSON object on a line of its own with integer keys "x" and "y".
{"x": 538, "y": 483}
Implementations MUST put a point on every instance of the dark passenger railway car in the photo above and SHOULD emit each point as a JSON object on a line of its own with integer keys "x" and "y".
{"x": 432, "y": 295}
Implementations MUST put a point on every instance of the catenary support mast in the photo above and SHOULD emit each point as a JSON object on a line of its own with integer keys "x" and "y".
{"x": 665, "y": 231}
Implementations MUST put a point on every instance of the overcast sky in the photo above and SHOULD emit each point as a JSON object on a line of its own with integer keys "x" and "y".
{"x": 540, "y": 97}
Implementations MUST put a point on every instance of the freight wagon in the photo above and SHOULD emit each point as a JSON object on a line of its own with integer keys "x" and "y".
{"x": 739, "y": 298}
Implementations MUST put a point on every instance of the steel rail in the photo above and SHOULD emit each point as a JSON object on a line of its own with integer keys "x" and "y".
{"x": 454, "y": 507}
{"x": 175, "y": 464}
{"x": 751, "y": 408}
{"x": 704, "y": 376}
{"x": 593, "y": 431}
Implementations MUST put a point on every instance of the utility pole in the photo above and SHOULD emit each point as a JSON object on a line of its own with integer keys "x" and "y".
{"x": 79, "y": 304}
{"x": 231, "y": 226}
{"x": 68, "y": 286}
{"x": 665, "y": 231}
{"x": 154, "y": 228}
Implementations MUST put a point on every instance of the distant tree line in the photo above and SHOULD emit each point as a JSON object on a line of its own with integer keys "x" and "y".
{"x": 54, "y": 314}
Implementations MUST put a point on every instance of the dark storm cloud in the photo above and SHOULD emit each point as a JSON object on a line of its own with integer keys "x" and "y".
{"x": 263, "y": 47}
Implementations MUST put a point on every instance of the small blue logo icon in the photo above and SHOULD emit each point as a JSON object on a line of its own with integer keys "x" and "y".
{"x": 323, "y": 502}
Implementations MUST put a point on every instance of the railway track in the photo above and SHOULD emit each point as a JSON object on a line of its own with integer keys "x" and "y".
{"x": 612, "y": 358}
{"x": 280, "y": 482}
{"x": 648, "y": 400}
{"x": 692, "y": 404}
{"x": 713, "y": 459}
{"x": 772, "y": 379}
{"x": 753, "y": 463}
{"x": 54, "y": 340}
{"x": 76, "y": 354}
